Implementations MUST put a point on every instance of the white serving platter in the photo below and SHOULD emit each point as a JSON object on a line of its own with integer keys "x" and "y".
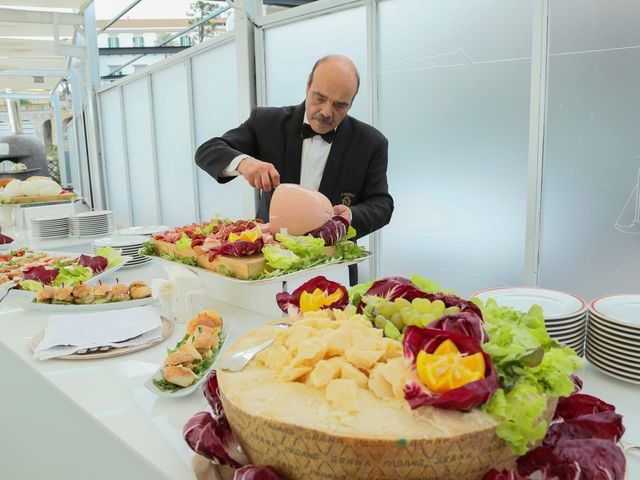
{"x": 94, "y": 307}
{"x": 274, "y": 280}
{"x": 183, "y": 392}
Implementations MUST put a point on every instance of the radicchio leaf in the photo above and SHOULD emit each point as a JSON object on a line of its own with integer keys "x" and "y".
{"x": 604, "y": 425}
{"x": 465, "y": 397}
{"x": 465, "y": 323}
{"x": 396, "y": 287}
{"x": 592, "y": 459}
{"x": 211, "y": 391}
{"x": 212, "y": 438}
{"x": 580, "y": 404}
{"x": 239, "y": 248}
{"x": 333, "y": 230}
{"x": 251, "y": 472}
{"x": 97, "y": 263}
{"x": 4, "y": 239}
{"x": 580, "y": 444}
{"x": 285, "y": 299}
{"x": 40, "y": 274}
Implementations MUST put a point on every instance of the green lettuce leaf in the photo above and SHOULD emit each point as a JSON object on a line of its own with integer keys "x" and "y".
{"x": 531, "y": 366}
{"x": 351, "y": 232}
{"x": 348, "y": 251}
{"x": 69, "y": 276}
{"x": 30, "y": 285}
{"x": 357, "y": 291}
{"x": 279, "y": 258}
{"x": 148, "y": 249}
{"x": 111, "y": 254}
{"x": 184, "y": 242}
{"x": 305, "y": 245}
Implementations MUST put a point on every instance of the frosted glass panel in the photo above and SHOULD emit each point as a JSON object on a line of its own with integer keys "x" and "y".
{"x": 173, "y": 145}
{"x": 292, "y": 49}
{"x": 590, "y": 229}
{"x": 215, "y": 94}
{"x": 114, "y": 155}
{"x": 454, "y": 103}
{"x": 139, "y": 147}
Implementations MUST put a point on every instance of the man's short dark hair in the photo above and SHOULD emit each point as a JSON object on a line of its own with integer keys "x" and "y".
{"x": 327, "y": 57}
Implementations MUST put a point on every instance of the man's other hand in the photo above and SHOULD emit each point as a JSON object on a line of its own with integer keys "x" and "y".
{"x": 259, "y": 174}
{"x": 343, "y": 211}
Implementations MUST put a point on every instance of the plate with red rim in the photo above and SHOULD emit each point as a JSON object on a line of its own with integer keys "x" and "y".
{"x": 555, "y": 304}
{"x": 621, "y": 308}
{"x": 613, "y": 345}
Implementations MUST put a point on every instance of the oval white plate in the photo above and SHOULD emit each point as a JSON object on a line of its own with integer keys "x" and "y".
{"x": 554, "y": 303}
{"x": 183, "y": 392}
{"x": 95, "y": 307}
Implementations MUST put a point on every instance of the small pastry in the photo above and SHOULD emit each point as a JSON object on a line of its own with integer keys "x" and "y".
{"x": 83, "y": 294}
{"x": 120, "y": 293}
{"x": 139, "y": 289}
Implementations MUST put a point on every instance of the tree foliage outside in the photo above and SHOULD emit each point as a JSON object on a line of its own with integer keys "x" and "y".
{"x": 199, "y": 10}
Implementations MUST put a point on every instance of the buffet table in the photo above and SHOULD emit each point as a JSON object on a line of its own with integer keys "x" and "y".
{"x": 66, "y": 419}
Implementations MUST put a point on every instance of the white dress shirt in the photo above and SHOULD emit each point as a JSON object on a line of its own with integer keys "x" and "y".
{"x": 315, "y": 151}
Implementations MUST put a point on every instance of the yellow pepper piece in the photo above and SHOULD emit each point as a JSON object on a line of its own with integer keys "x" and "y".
{"x": 246, "y": 236}
{"x": 311, "y": 302}
{"x": 446, "y": 368}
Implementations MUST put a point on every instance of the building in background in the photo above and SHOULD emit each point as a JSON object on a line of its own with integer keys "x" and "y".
{"x": 137, "y": 40}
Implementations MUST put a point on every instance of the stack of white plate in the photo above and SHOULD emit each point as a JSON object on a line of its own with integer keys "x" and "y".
{"x": 565, "y": 314}
{"x": 147, "y": 230}
{"x": 129, "y": 245}
{"x": 613, "y": 338}
{"x": 44, "y": 228}
{"x": 91, "y": 224}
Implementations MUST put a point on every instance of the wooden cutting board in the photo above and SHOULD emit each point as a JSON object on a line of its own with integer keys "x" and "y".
{"x": 39, "y": 198}
{"x": 239, "y": 267}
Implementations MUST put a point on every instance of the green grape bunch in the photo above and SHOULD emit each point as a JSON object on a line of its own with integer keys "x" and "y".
{"x": 394, "y": 316}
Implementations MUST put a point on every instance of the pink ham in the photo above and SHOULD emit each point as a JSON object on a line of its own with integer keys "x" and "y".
{"x": 298, "y": 209}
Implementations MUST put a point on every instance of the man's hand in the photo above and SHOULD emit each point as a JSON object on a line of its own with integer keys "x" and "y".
{"x": 259, "y": 174}
{"x": 343, "y": 211}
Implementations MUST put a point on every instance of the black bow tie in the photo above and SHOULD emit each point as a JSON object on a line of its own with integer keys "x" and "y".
{"x": 308, "y": 132}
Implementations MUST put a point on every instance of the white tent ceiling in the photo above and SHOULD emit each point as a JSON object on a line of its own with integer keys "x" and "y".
{"x": 31, "y": 58}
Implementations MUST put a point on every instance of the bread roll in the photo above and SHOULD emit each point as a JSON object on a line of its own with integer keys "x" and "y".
{"x": 139, "y": 289}
{"x": 180, "y": 376}
{"x": 45, "y": 295}
{"x": 190, "y": 350}
{"x": 120, "y": 293}
{"x": 102, "y": 293}
{"x": 63, "y": 294}
{"x": 83, "y": 294}
{"x": 208, "y": 318}
{"x": 5, "y": 181}
{"x": 203, "y": 339}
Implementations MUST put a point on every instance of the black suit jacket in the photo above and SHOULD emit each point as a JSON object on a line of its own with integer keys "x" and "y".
{"x": 355, "y": 173}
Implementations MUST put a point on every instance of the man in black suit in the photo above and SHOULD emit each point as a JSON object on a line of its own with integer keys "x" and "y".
{"x": 315, "y": 144}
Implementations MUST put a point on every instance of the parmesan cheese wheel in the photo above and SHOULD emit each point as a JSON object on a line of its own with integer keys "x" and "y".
{"x": 314, "y": 425}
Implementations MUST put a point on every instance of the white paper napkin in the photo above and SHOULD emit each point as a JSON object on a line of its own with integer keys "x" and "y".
{"x": 66, "y": 334}
{"x": 177, "y": 295}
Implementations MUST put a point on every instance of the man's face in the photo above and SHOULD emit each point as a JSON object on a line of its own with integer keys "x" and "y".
{"x": 329, "y": 96}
